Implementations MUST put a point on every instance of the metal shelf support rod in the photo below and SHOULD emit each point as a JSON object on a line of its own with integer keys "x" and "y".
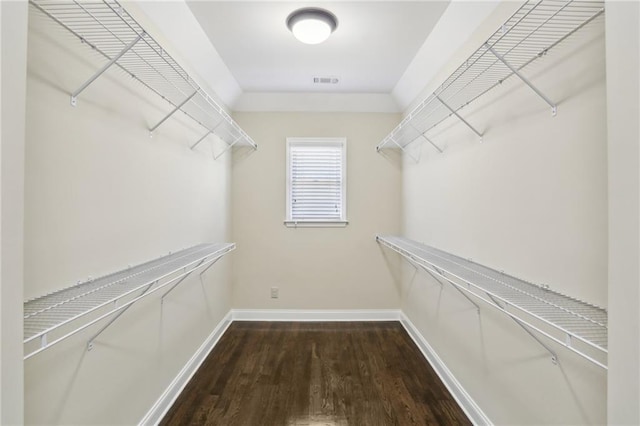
{"x": 406, "y": 151}
{"x": 554, "y": 356}
{"x": 210, "y": 131}
{"x": 459, "y": 291}
{"x": 189, "y": 273}
{"x": 201, "y": 139}
{"x": 425, "y": 137}
{"x": 184, "y": 277}
{"x": 435, "y": 271}
{"x": 554, "y": 107}
{"x": 112, "y": 320}
{"x": 431, "y": 142}
{"x": 460, "y": 117}
{"x": 396, "y": 142}
{"x": 172, "y": 112}
{"x": 74, "y": 95}
{"x": 215, "y": 157}
{"x": 211, "y": 264}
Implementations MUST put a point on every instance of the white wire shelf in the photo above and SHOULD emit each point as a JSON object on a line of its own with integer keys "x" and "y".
{"x": 527, "y": 35}
{"x": 54, "y": 317}
{"x": 574, "y": 324}
{"x": 106, "y": 27}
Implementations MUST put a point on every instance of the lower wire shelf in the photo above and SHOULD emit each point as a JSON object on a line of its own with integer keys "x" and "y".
{"x": 54, "y": 317}
{"x": 578, "y": 326}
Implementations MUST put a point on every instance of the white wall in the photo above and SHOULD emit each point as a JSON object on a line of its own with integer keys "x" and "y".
{"x": 315, "y": 268}
{"x": 13, "y": 35}
{"x": 100, "y": 195}
{"x": 623, "y": 100}
{"x": 530, "y": 200}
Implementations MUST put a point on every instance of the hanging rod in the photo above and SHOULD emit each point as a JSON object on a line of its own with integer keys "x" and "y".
{"x": 576, "y": 325}
{"x": 57, "y": 316}
{"x": 534, "y": 29}
{"x": 107, "y": 28}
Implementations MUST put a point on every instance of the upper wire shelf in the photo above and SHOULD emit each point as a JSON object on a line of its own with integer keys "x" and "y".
{"x": 107, "y": 27}
{"x": 574, "y": 324}
{"x": 527, "y": 35}
{"x": 56, "y": 316}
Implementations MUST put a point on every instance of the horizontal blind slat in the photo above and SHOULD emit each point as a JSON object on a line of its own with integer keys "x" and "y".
{"x": 316, "y": 181}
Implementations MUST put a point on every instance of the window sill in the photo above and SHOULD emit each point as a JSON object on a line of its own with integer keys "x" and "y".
{"x": 315, "y": 223}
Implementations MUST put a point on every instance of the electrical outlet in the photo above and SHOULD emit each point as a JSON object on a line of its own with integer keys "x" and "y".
{"x": 274, "y": 292}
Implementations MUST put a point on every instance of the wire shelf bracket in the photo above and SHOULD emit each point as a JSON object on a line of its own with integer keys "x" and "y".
{"x": 115, "y": 317}
{"x": 176, "y": 109}
{"x": 543, "y": 313}
{"x": 454, "y": 112}
{"x": 431, "y": 143}
{"x": 529, "y": 34}
{"x": 74, "y": 95}
{"x": 439, "y": 276}
{"x": 227, "y": 148}
{"x": 435, "y": 273}
{"x": 106, "y": 27}
{"x": 554, "y": 107}
{"x": 192, "y": 147}
{"x": 554, "y": 356}
{"x": 52, "y": 318}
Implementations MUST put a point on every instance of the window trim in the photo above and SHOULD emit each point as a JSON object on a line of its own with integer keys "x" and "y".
{"x": 314, "y": 223}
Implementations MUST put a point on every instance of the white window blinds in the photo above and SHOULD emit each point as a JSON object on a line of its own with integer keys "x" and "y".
{"x": 316, "y": 179}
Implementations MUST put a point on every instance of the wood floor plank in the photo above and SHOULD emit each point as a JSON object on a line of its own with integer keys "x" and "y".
{"x": 292, "y": 373}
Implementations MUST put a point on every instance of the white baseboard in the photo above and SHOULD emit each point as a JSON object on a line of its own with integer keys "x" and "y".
{"x": 315, "y": 315}
{"x": 168, "y": 397}
{"x": 468, "y": 405}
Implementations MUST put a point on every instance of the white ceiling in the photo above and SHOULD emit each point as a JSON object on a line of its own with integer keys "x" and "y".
{"x": 385, "y": 53}
{"x": 369, "y": 51}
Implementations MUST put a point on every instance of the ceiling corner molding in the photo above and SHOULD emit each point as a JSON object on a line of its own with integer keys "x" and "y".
{"x": 316, "y": 102}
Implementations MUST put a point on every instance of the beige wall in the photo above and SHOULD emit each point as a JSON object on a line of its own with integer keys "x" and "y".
{"x": 100, "y": 195}
{"x": 314, "y": 268}
{"x": 13, "y": 36}
{"x": 623, "y": 100}
{"x": 530, "y": 200}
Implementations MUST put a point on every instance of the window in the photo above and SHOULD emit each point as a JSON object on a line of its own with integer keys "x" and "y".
{"x": 316, "y": 182}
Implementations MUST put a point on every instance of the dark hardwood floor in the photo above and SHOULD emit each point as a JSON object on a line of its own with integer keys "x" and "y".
{"x": 276, "y": 373}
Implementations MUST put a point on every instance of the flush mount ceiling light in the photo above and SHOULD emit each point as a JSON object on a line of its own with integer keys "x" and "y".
{"x": 312, "y": 25}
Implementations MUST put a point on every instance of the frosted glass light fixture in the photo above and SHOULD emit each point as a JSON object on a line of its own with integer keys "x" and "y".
{"x": 312, "y": 25}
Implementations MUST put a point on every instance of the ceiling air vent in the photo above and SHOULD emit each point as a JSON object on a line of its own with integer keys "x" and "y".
{"x": 325, "y": 80}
